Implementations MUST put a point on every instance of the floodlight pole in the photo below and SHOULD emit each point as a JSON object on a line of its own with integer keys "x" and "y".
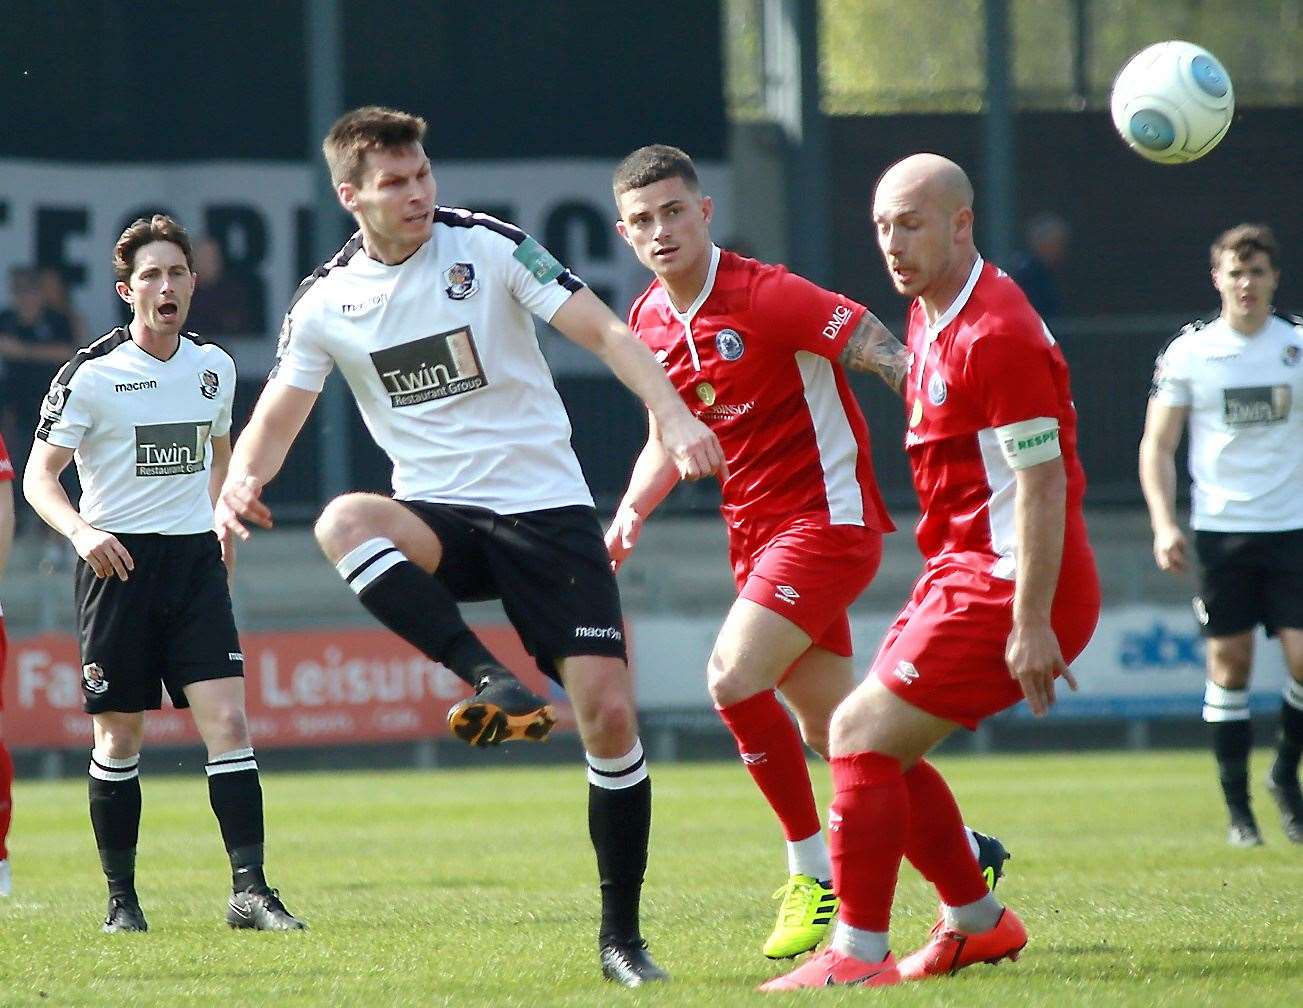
{"x": 999, "y": 156}
{"x": 790, "y": 47}
{"x": 323, "y": 57}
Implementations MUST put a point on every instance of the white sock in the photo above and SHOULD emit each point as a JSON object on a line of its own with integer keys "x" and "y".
{"x": 866, "y": 946}
{"x": 973, "y": 918}
{"x": 809, "y": 857}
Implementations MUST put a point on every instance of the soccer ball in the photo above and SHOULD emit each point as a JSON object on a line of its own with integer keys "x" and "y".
{"x": 1173, "y": 102}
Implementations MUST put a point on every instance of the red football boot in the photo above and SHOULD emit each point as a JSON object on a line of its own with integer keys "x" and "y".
{"x": 830, "y": 968}
{"x": 948, "y": 951}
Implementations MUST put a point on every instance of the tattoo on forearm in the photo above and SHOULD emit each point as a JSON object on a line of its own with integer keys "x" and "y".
{"x": 872, "y": 347}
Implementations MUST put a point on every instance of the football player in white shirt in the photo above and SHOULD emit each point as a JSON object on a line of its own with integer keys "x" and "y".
{"x": 1238, "y": 381}
{"x": 147, "y": 411}
{"x": 427, "y": 313}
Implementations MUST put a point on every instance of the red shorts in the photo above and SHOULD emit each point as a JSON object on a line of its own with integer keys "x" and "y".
{"x": 945, "y": 652}
{"x": 809, "y": 573}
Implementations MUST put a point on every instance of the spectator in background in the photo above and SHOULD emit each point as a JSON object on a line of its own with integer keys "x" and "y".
{"x": 224, "y": 300}
{"x": 58, "y": 304}
{"x": 1036, "y": 270}
{"x": 33, "y": 342}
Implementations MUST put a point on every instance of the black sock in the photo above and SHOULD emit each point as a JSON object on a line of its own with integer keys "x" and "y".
{"x": 1290, "y": 744}
{"x": 1232, "y": 741}
{"x": 114, "y": 792}
{"x": 236, "y": 797}
{"x": 415, "y": 605}
{"x": 619, "y": 823}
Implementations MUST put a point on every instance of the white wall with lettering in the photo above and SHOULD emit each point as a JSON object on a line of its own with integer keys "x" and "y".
{"x": 70, "y": 214}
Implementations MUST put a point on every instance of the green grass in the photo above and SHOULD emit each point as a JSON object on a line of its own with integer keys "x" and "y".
{"x": 476, "y": 888}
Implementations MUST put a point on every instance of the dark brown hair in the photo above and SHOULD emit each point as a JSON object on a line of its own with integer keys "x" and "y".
{"x": 365, "y": 129}
{"x": 651, "y": 164}
{"x": 1244, "y": 240}
{"x": 142, "y": 231}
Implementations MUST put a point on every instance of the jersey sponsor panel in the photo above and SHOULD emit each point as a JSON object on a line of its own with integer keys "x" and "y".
{"x": 1246, "y": 431}
{"x": 441, "y": 355}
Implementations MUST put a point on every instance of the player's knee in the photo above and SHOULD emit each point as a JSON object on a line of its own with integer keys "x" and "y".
{"x": 341, "y": 526}
{"x": 120, "y": 739}
{"x": 850, "y": 728}
{"x": 727, "y": 681}
{"x": 816, "y": 737}
{"x": 228, "y": 729}
{"x": 612, "y": 723}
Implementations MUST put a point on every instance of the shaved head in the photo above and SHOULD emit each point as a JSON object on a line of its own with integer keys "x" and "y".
{"x": 930, "y": 177}
{"x": 923, "y": 216}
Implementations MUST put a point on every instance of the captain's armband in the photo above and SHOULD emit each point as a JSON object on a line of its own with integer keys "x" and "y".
{"x": 1029, "y": 442}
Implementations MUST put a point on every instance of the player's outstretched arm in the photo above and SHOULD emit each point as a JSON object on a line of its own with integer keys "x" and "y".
{"x": 1040, "y": 511}
{"x": 584, "y": 320}
{"x": 872, "y": 347}
{"x": 654, "y": 476}
{"x": 1163, "y": 426}
{"x": 259, "y": 454}
{"x": 101, "y": 550}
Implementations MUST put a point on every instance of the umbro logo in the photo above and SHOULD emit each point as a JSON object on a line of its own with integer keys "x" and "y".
{"x": 834, "y": 821}
{"x": 787, "y": 593}
{"x": 905, "y": 672}
{"x": 754, "y": 758}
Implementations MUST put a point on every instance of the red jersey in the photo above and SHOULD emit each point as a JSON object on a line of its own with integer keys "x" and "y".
{"x": 6, "y": 465}
{"x": 987, "y": 362}
{"x": 755, "y": 358}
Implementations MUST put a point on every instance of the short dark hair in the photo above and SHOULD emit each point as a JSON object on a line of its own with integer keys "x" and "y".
{"x": 142, "y": 231}
{"x": 369, "y": 128}
{"x": 1244, "y": 240}
{"x": 651, "y": 164}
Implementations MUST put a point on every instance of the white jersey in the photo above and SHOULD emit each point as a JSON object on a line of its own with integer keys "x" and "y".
{"x": 1245, "y": 397}
{"x": 441, "y": 355}
{"x": 140, "y": 428}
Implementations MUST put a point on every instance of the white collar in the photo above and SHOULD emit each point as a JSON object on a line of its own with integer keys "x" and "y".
{"x": 961, "y": 299}
{"x": 686, "y": 316}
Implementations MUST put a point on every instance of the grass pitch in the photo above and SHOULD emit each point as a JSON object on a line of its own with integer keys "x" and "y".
{"x": 477, "y": 888}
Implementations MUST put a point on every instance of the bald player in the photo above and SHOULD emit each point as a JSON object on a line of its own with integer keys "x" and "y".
{"x": 1008, "y": 596}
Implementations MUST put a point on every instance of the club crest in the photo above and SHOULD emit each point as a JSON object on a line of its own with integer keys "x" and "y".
{"x": 462, "y": 282}
{"x": 53, "y": 403}
{"x": 92, "y": 676}
{"x": 936, "y": 389}
{"x": 729, "y": 344}
{"x": 1290, "y": 357}
{"x": 208, "y": 384}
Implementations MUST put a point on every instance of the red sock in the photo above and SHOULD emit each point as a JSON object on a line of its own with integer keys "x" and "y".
{"x": 774, "y": 755}
{"x": 6, "y": 798}
{"x": 937, "y": 844}
{"x": 866, "y": 835}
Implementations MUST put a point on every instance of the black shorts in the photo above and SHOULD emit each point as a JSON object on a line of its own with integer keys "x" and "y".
{"x": 1247, "y": 578}
{"x": 169, "y": 624}
{"x": 550, "y": 569}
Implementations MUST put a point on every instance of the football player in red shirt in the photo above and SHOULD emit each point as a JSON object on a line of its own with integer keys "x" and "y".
{"x": 759, "y": 354}
{"x": 1008, "y": 596}
{"x": 6, "y": 764}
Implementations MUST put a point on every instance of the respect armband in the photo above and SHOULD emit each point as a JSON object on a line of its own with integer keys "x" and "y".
{"x": 1029, "y": 442}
